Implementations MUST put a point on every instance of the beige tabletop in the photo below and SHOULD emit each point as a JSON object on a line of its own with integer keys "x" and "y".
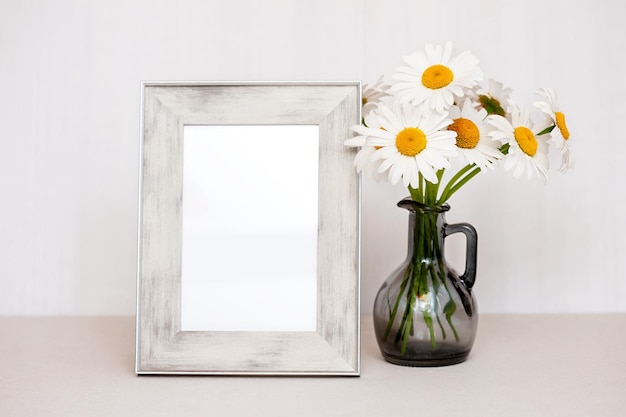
{"x": 521, "y": 365}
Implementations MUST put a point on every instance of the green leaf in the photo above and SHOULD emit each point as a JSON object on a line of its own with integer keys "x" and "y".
{"x": 429, "y": 322}
{"x": 492, "y": 105}
{"x": 449, "y": 309}
{"x": 546, "y": 130}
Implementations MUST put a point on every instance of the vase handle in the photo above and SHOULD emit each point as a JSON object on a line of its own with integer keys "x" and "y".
{"x": 469, "y": 276}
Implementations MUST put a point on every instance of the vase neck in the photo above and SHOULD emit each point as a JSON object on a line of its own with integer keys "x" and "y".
{"x": 417, "y": 207}
{"x": 425, "y": 231}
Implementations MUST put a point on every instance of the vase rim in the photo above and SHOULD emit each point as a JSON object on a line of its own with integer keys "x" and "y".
{"x": 412, "y": 205}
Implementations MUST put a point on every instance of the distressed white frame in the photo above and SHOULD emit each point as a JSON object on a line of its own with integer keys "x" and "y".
{"x": 162, "y": 348}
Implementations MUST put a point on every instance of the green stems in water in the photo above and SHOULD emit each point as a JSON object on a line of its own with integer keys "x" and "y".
{"x": 424, "y": 278}
{"x": 422, "y": 287}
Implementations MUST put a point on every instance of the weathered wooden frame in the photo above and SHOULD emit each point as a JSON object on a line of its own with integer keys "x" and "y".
{"x": 162, "y": 348}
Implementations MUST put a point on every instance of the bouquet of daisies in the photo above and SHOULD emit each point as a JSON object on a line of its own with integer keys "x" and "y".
{"x": 438, "y": 111}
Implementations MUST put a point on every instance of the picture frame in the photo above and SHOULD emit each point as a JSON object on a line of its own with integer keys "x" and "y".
{"x": 163, "y": 345}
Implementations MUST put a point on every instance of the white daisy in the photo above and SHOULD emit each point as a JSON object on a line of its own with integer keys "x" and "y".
{"x": 527, "y": 152}
{"x": 475, "y": 147}
{"x": 472, "y": 94}
{"x": 434, "y": 77}
{"x": 559, "y": 135}
{"x": 374, "y": 94}
{"x": 407, "y": 143}
{"x": 362, "y": 161}
{"x": 494, "y": 98}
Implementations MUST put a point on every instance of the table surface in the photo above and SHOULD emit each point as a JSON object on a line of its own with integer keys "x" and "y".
{"x": 521, "y": 365}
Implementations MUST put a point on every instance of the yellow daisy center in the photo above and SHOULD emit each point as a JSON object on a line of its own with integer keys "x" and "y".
{"x": 560, "y": 123}
{"x": 467, "y": 133}
{"x": 437, "y": 76}
{"x": 410, "y": 141}
{"x": 364, "y": 101}
{"x": 526, "y": 140}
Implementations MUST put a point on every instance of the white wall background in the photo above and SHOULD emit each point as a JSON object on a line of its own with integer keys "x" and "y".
{"x": 70, "y": 73}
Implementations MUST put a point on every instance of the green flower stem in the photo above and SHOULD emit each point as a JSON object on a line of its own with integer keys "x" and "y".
{"x": 546, "y": 130}
{"x": 459, "y": 180}
{"x": 392, "y": 315}
{"x": 430, "y": 226}
{"x": 437, "y": 287}
{"x": 456, "y": 187}
{"x": 431, "y": 330}
{"x": 426, "y": 192}
{"x": 417, "y": 286}
{"x": 416, "y": 194}
{"x": 407, "y": 310}
{"x": 433, "y": 189}
{"x": 407, "y": 317}
{"x": 406, "y": 330}
{"x": 458, "y": 175}
{"x": 450, "y": 308}
{"x": 422, "y": 259}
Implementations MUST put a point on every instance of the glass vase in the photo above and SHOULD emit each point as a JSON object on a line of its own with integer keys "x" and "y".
{"x": 425, "y": 313}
